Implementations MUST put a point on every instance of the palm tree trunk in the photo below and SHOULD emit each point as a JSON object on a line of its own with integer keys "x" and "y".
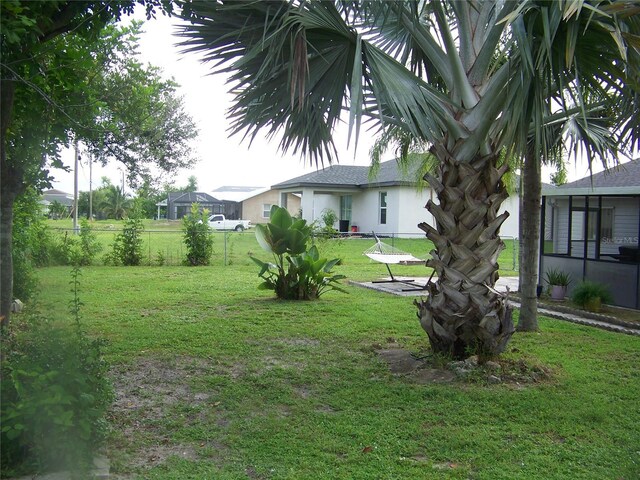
{"x": 529, "y": 243}
{"x": 463, "y": 313}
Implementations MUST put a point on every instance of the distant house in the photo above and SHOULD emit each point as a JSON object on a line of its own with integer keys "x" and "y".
{"x": 254, "y": 203}
{"x": 390, "y": 203}
{"x": 592, "y": 231}
{"x": 50, "y": 197}
{"x": 178, "y": 204}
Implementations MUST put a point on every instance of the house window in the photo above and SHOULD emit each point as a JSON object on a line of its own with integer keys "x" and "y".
{"x": 383, "y": 208}
{"x": 266, "y": 210}
{"x": 345, "y": 207}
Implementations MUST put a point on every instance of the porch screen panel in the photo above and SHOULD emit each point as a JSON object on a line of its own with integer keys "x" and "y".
{"x": 620, "y": 225}
{"x": 578, "y": 222}
{"x": 556, "y": 236}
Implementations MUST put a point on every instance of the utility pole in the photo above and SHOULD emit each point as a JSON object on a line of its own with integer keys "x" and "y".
{"x": 76, "y": 154}
{"x": 90, "y": 188}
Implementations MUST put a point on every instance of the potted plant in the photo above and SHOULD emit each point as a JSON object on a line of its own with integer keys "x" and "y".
{"x": 558, "y": 282}
{"x": 591, "y": 295}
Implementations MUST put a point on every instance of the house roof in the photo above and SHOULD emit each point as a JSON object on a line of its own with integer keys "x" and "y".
{"x": 352, "y": 176}
{"x": 623, "y": 178}
{"x": 59, "y": 196}
{"x": 238, "y": 194}
{"x": 191, "y": 197}
{"x": 53, "y": 191}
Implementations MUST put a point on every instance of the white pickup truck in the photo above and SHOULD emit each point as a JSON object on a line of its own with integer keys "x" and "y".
{"x": 219, "y": 222}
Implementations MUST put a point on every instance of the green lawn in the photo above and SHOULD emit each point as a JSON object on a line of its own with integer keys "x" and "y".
{"x": 217, "y": 380}
{"x": 165, "y": 238}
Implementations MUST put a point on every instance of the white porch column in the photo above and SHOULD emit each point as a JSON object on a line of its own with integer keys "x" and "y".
{"x": 306, "y": 202}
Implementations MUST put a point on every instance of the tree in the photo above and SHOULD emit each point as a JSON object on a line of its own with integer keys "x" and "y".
{"x": 469, "y": 78}
{"x": 66, "y": 69}
{"x": 115, "y": 204}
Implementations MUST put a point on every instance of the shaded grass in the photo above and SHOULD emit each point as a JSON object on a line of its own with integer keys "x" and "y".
{"x": 295, "y": 390}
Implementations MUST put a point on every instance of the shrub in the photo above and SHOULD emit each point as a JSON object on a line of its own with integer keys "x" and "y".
{"x": 555, "y": 276}
{"x": 127, "y": 245}
{"x": 197, "y": 237}
{"x": 298, "y": 273}
{"x": 88, "y": 247}
{"x": 587, "y": 291}
{"x": 55, "y": 394}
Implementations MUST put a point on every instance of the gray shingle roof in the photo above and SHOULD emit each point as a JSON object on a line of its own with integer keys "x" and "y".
{"x": 623, "y": 175}
{"x": 192, "y": 197}
{"x": 352, "y": 176}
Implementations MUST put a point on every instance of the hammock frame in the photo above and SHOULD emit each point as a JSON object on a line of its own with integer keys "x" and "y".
{"x": 390, "y": 255}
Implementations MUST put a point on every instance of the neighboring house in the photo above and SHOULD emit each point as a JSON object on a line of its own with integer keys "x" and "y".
{"x": 592, "y": 231}
{"x": 50, "y": 197}
{"x": 389, "y": 204}
{"x": 178, "y": 204}
{"x": 254, "y": 203}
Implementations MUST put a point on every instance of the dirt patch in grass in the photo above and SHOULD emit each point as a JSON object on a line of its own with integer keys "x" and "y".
{"x": 431, "y": 369}
{"x": 148, "y": 393}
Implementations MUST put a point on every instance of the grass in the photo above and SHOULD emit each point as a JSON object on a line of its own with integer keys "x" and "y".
{"x": 232, "y": 248}
{"x": 218, "y": 380}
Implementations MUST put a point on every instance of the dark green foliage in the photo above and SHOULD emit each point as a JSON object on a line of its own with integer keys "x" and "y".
{"x": 89, "y": 246}
{"x": 197, "y": 237}
{"x": 557, "y": 277}
{"x": 298, "y": 273}
{"x": 587, "y": 291}
{"x": 127, "y": 246}
{"x": 55, "y": 394}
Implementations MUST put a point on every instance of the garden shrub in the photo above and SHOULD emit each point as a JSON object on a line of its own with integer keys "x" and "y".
{"x": 127, "y": 245}
{"x": 88, "y": 245}
{"x": 55, "y": 394}
{"x": 197, "y": 237}
{"x": 299, "y": 273}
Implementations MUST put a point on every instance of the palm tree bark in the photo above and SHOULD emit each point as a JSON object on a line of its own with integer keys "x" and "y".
{"x": 463, "y": 313}
{"x": 529, "y": 242}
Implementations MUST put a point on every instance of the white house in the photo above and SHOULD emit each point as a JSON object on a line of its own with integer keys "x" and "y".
{"x": 390, "y": 203}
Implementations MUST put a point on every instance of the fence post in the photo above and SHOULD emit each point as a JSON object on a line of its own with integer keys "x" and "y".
{"x": 225, "y": 247}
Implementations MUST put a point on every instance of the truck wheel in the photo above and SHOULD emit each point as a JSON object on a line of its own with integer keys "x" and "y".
{"x": 239, "y": 228}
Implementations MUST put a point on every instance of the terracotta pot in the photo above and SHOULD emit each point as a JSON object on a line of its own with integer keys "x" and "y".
{"x": 558, "y": 292}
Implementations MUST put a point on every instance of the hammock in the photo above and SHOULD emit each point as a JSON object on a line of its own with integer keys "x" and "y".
{"x": 389, "y": 255}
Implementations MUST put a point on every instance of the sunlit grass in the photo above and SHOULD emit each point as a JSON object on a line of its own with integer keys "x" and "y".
{"x": 295, "y": 390}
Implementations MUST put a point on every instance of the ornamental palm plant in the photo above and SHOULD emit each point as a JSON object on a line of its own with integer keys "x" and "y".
{"x": 469, "y": 78}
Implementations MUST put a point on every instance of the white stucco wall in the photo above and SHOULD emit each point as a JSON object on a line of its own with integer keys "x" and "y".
{"x": 510, "y": 227}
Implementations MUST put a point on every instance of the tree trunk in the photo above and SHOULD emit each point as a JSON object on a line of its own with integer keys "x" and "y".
{"x": 464, "y": 314}
{"x": 529, "y": 243}
{"x": 8, "y": 180}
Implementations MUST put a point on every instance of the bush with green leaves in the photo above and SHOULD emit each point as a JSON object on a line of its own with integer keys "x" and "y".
{"x": 55, "y": 395}
{"x": 588, "y": 291}
{"x": 299, "y": 272}
{"x": 197, "y": 237}
{"x": 127, "y": 245}
{"x": 32, "y": 243}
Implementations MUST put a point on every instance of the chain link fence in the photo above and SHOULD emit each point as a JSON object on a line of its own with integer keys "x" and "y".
{"x": 166, "y": 247}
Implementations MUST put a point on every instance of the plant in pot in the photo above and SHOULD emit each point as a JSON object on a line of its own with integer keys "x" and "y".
{"x": 591, "y": 295}
{"x": 558, "y": 282}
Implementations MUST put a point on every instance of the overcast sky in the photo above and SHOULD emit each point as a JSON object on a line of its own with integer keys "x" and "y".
{"x": 223, "y": 161}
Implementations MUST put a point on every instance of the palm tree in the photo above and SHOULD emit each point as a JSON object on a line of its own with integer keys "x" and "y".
{"x": 115, "y": 204}
{"x": 469, "y": 78}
